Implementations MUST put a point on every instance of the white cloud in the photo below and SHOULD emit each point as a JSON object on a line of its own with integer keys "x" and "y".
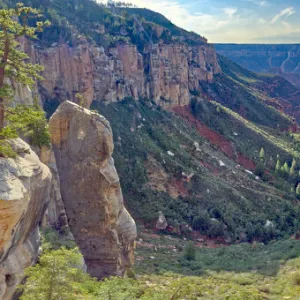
{"x": 264, "y": 3}
{"x": 230, "y": 11}
{"x": 259, "y": 3}
{"x": 284, "y": 13}
{"x": 262, "y": 21}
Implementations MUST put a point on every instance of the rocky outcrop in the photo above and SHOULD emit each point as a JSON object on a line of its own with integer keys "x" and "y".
{"x": 90, "y": 188}
{"x": 165, "y": 73}
{"x": 24, "y": 194}
{"x": 161, "y": 223}
{"x": 68, "y": 71}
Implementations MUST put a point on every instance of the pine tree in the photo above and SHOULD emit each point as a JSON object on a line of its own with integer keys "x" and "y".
{"x": 262, "y": 154}
{"x": 13, "y": 65}
{"x": 278, "y": 166}
{"x": 292, "y": 170}
{"x": 286, "y": 168}
{"x": 56, "y": 276}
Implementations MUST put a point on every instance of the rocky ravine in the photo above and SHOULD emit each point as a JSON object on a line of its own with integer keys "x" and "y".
{"x": 90, "y": 189}
{"x": 165, "y": 73}
{"x": 24, "y": 194}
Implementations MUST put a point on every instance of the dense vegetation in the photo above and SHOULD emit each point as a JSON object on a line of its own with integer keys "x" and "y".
{"x": 104, "y": 25}
{"x": 59, "y": 274}
{"x": 264, "y": 259}
{"x": 155, "y": 154}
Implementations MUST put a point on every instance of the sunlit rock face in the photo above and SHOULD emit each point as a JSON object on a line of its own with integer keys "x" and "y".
{"x": 165, "y": 73}
{"x": 90, "y": 188}
{"x": 24, "y": 194}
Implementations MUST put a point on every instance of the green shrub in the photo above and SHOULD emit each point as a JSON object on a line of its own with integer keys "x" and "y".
{"x": 190, "y": 251}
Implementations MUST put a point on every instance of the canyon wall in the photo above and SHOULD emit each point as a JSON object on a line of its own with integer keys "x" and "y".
{"x": 279, "y": 59}
{"x": 165, "y": 73}
{"x": 103, "y": 229}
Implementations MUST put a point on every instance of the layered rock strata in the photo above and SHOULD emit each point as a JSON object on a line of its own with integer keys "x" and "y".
{"x": 165, "y": 73}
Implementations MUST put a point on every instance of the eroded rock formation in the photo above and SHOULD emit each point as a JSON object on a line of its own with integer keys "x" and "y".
{"x": 24, "y": 193}
{"x": 165, "y": 73}
{"x": 90, "y": 188}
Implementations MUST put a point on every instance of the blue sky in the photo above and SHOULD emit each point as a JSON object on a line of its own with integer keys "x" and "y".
{"x": 233, "y": 21}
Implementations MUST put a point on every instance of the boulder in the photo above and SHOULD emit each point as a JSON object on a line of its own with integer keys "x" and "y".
{"x": 161, "y": 223}
{"x": 90, "y": 189}
{"x": 24, "y": 194}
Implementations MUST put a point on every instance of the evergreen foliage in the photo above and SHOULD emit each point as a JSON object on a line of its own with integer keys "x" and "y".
{"x": 190, "y": 251}
{"x": 13, "y": 26}
{"x": 262, "y": 154}
{"x": 57, "y": 276}
{"x": 221, "y": 211}
{"x": 26, "y": 120}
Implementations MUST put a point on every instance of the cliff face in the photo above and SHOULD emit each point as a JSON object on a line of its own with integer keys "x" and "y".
{"x": 278, "y": 59}
{"x": 24, "y": 193}
{"x": 163, "y": 72}
{"x": 90, "y": 189}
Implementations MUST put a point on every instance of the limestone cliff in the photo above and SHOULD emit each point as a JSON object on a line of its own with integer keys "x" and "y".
{"x": 24, "y": 195}
{"x": 90, "y": 188}
{"x": 163, "y": 72}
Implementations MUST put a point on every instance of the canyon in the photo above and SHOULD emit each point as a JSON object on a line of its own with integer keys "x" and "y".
{"x": 283, "y": 60}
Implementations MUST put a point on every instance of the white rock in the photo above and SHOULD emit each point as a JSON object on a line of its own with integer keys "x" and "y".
{"x": 221, "y": 163}
{"x": 171, "y": 153}
{"x": 197, "y": 146}
{"x": 269, "y": 224}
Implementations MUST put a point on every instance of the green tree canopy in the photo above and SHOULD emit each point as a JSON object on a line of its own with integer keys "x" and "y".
{"x": 57, "y": 276}
{"x": 14, "y": 66}
{"x": 13, "y": 61}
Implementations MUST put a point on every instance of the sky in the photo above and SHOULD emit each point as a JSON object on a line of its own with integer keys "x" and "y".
{"x": 233, "y": 21}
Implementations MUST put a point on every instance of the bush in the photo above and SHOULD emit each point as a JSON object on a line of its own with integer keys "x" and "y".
{"x": 190, "y": 251}
{"x": 58, "y": 275}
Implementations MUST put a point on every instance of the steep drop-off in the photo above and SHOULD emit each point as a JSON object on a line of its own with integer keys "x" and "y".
{"x": 164, "y": 73}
